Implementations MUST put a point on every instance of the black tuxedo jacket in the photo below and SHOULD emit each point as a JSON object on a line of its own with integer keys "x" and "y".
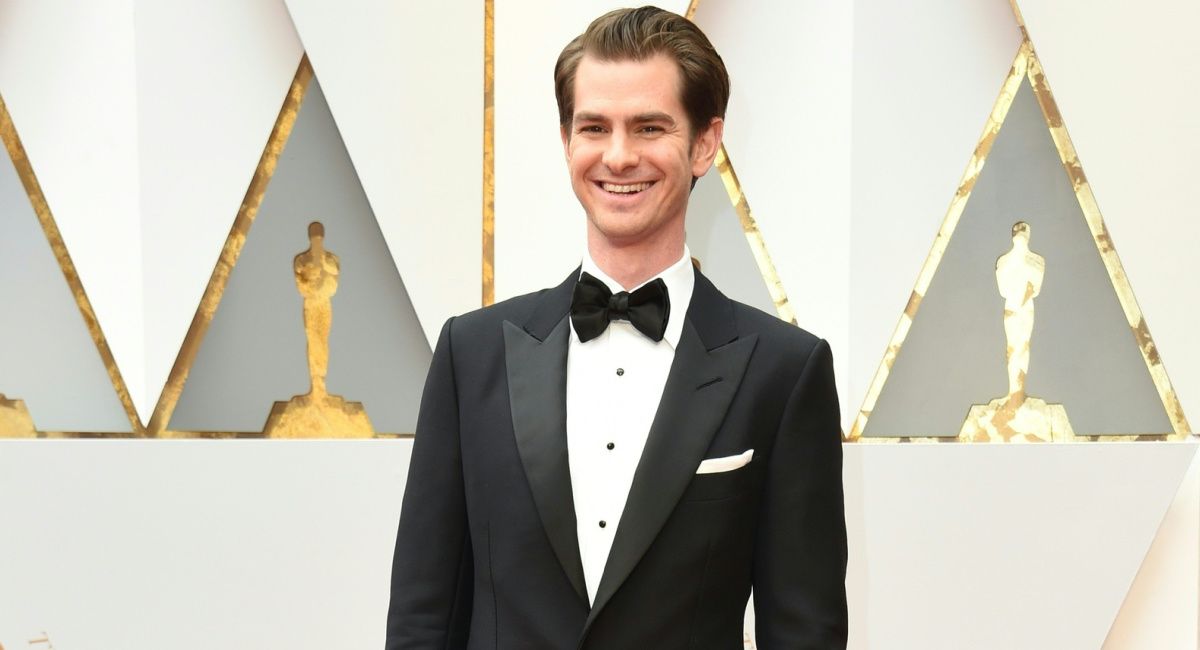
{"x": 487, "y": 553}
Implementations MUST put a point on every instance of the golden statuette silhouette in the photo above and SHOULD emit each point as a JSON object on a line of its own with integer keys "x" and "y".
{"x": 317, "y": 414}
{"x": 1017, "y": 417}
{"x": 15, "y": 421}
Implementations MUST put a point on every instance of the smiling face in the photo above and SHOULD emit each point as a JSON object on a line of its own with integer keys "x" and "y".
{"x": 631, "y": 153}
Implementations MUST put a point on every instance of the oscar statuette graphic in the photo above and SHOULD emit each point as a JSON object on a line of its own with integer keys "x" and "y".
{"x": 1017, "y": 417}
{"x": 317, "y": 414}
{"x": 15, "y": 421}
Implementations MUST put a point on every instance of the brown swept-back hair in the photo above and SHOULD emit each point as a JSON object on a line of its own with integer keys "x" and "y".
{"x": 637, "y": 35}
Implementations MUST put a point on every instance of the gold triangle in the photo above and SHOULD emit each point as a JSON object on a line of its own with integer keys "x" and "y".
{"x": 1027, "y": 65}
{"x": 16, "y": 152}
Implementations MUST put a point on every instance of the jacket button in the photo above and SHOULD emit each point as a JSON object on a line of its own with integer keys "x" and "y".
{"x": 603, "y": 523}
{"x": 610, "y": 445}
{"x": 620, "y": 372}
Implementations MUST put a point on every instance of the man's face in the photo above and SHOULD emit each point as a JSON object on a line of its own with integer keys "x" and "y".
{"x": 629, "y": 148}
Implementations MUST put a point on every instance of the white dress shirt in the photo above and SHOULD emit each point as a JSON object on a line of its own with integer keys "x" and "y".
{"x": 614, "y": 383}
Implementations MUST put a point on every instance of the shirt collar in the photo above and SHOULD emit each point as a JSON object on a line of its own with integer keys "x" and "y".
{"x": 680, "y": 280}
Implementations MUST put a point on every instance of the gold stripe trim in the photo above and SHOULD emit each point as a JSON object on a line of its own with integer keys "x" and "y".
{"x": 1020, "y": 19}
{"x": 228, "y": 258}
{"x": 222, "y": 435}
{"x": 207, "y": 435}
{"x": 983, "y": 147}
{"x": 922, "y": 440}
{"x": 20, "y": 160}
{"x": 489, "y": 154}
{"x": 690, "y": 14}
{"x": 758, "y": 246}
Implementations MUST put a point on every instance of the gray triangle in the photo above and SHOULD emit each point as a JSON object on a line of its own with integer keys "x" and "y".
{"x": 254, "y": 352}
{"x": 716, "y": 238}
{"x": 1083, "y": 352}
{"x": 47, "y": 356}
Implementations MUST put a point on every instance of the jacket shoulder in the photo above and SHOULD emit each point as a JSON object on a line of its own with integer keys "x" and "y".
{"x": 779, "y": 336}
{"x": 517, "y": 309}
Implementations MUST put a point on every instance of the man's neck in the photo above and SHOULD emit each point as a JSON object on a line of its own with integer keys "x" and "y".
{"x": 634, "y": 264}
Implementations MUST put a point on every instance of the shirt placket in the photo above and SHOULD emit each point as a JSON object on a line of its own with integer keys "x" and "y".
{"x": 611, "y": 444}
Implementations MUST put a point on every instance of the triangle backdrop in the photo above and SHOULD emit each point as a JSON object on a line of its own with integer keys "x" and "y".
{"x": 1083, "y": 353}
{"x": 47, "y": 356}
{"x": 254, "y": 352}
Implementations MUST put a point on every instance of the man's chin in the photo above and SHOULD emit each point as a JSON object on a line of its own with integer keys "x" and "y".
{"x": 622, "y": 233}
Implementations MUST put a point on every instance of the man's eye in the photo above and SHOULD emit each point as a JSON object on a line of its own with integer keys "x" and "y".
{"x": 652, "y": 129}
{"x": 591, "y": 128}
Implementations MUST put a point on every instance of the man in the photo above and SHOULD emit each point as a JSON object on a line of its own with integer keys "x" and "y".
{"x": 615, "y": 462}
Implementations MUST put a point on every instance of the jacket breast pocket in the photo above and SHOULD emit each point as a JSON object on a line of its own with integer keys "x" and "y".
{"x": 720, "y": 485}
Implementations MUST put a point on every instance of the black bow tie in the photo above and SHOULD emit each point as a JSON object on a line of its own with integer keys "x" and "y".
{"x": 593, "y": 305}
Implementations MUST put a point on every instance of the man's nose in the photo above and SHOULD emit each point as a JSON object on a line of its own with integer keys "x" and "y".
{"x": 621, "y": 154}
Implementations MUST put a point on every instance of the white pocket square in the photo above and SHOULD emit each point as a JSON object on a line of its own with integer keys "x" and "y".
{"x": 726, "y": 464}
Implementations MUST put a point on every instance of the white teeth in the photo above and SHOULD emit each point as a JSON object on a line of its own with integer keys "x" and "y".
{"x": 625, "y": 189}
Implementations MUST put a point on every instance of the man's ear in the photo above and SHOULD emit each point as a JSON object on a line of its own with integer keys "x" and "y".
{"x": 704, "y": 149}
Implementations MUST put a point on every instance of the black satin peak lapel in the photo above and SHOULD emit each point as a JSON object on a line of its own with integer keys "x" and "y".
{"x": 537, "y": 392}
{"x": 697, "y": 394}
{"x": 552, "y": 305}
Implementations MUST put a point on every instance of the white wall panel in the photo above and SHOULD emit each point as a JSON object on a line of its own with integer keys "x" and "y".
{"x": 405, "y": 83}
{"x": 1126, "y": 77}
{"x": 1162, "y": 603}
{"x": 192, "y": 545}
{"x": 788, "y": 136}
{"x": 1002, "y": 546}
{"x": 539, "y": 223}
{"x": 926, "y": 75}
{"x": 212, "y": 76}
{"x": 67, "y": 76}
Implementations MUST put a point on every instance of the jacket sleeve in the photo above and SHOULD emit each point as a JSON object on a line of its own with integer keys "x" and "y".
{"x": 432, "y": 571}
{"x": 800, "y": 546}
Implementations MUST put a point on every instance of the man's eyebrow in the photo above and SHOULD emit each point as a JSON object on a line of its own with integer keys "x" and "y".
{"x": 589, "y": 117}
{"x": 640, "y": 118}
{"x": 655, "y": 116}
